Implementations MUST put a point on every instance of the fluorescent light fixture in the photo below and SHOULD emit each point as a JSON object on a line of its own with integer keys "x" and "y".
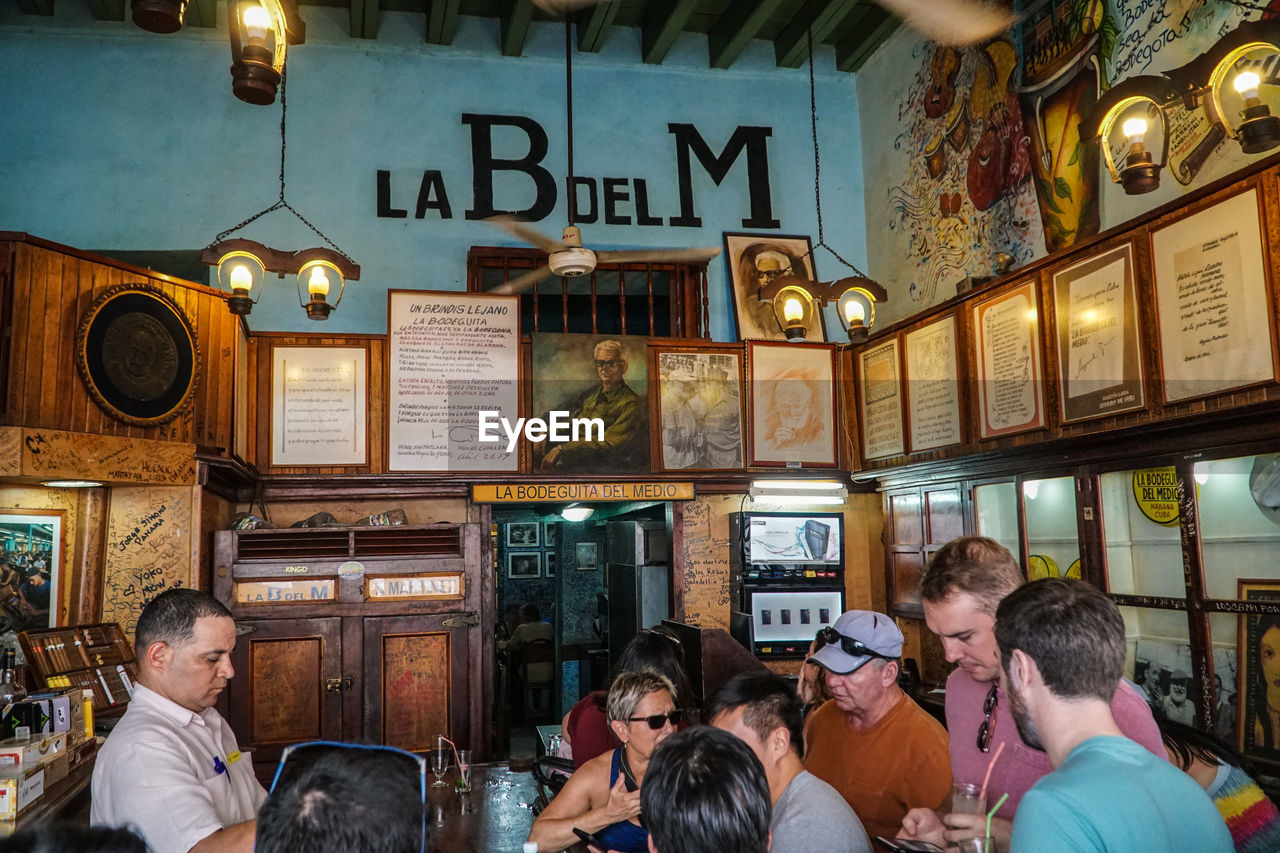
{"x": 798, "y": 491}
{"x": 797, "y": 485}
{"x": 793, "y": 498}
{"x": 71, "y": 484}
{"x": 577, "y": 513}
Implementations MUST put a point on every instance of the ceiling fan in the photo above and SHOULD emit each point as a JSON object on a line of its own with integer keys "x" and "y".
{"x": 567, "y": 256}
{"x": 957, "y": 23}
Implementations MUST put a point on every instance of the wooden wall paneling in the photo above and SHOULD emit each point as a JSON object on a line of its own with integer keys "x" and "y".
{"x": 6, "y": 325}
{"x": 90, "y": 550}
{"x": 59, "y": 326}
{"x": 29, "y": 266}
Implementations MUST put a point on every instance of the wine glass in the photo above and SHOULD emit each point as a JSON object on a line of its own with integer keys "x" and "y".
{"x": 439, "y": 764}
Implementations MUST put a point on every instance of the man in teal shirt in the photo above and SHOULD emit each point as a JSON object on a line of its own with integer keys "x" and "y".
{"x": 1062, "y": 649}
{"x": 624, "y": 446}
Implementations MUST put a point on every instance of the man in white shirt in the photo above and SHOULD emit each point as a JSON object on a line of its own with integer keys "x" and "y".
{"x": 171, "y": 768}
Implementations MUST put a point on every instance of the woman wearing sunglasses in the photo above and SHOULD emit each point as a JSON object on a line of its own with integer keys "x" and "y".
{"x": 603, "y": 796}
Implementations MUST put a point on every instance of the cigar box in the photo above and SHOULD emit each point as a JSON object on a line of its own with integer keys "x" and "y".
{"x": 98, "y": 658}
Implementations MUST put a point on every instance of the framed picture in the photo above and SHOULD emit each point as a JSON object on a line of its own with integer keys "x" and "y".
{"x": 754, "y": 259}
{"x": 880, "y": 396}
{"x": 319, "y": 405}
{"x": 522, "y": 565}
{"x": 1258, "y": 715}
{"x": 549, "y": 564}
{"x": 522, "y": 534}
{"x": 592, "y": 376}
{"x": 32, "y": 571}
{"x": 792, "y": 407}
{"x": 1095, "y": 309}
{"x": 700, "y": 408}
{"x": 933, "y": 385}
{"x": 585, "y": 556}
{"x": 1213, "y": 312}
{"x": 1010, "y": 378}
{"x": 549, "y": 533}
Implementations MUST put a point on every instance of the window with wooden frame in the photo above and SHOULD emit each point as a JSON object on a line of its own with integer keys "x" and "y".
{"x": 657, "y": 299}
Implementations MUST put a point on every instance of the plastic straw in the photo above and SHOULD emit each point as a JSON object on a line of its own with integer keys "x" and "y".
{"x": 993, "y": 811}
{"x": 990, "y": 766}
{"x": 459, "y": 760}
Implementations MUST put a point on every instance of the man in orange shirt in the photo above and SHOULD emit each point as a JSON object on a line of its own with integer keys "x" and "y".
{"x": 872, "y": 742}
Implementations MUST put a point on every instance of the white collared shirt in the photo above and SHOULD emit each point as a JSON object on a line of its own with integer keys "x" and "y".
{"x": 173, "y": 775}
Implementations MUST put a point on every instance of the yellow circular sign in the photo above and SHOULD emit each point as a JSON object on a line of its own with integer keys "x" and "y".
{"x": 1073, "y": 570}
{"x": 1040, "y": 566}
{"x": 1156, "y": 492}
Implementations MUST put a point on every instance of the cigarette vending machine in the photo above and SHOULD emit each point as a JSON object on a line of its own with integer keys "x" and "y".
{"x": 787, "y": 576}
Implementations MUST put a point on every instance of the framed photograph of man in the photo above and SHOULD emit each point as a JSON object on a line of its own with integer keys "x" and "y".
{"x": 1258, "y": 702}
{"x": 755, "y": 260}
{"x": 523, "y": 565}
{"x": 522, "y": 534}
{"x": 549, "y": 533}
{"x": 586, "y": 556}
{"x": 584, "y": 378}
{"x": 792, "y": 404}
{"x": 700, "y": 407}
{"x": 549, "y": 564}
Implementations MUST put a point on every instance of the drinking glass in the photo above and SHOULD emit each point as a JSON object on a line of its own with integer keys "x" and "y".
{"x": 439, "y": 764}
{"x": 967, "y": 798}
{"x": 463, "y": 782}
{"x": 977, "y": 845}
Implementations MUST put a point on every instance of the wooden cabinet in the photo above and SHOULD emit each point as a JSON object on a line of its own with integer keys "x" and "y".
{"x": 369, "y": 634}
{"x": 919, "y": 521}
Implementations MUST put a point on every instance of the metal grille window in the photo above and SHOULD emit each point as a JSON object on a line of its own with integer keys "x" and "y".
{"x": 660, "y": 299}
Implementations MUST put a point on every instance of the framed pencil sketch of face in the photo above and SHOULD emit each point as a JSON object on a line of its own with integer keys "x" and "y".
{"x": 792, "y": 404}
{"x": 755, "y": 260}
{"x": 522, "y": 565}
{"x": 522, "y": 534}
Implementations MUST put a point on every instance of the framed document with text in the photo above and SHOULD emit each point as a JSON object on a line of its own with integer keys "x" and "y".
{"x": 880, "y": 395}
{"x": 1099, "y": 346}
{"x": 1006, "y": 330}
{"x": 933, "y": 386}
{"x": 319, "y": 405}
{"x": 1212, "y": 309}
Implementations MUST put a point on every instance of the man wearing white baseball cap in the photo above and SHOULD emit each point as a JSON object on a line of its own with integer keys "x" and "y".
{"x": 872, "y": 742}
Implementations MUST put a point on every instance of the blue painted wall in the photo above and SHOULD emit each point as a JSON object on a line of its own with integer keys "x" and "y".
{"x": 115, "y": 138}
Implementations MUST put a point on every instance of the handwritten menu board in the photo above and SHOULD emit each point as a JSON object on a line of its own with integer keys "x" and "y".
{"x": 148, "y": 550}
{"x": 933, "y": 387}
{"x": 881, "y": 401}
{"x": 1211, "y": 300}
{"x": 453, "y": 355}
{"x": 1010, "y": 379}
{"x": 705, "y": 558}
{"x": 319, "y": 404}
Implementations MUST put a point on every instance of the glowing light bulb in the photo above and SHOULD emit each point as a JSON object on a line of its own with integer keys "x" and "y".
{"x": 1246, "y": 83}
{"x": 1134, "y": 128}
{"x": 241, "y": 280}
{"x": 1202, "y": 477}
{"x": 318, "y": 283}
{"x": 256, "y": 23}
{"x": 792, "y": 310}
{"x": 855, "y": 313}
{"x": 1031, "y": 488}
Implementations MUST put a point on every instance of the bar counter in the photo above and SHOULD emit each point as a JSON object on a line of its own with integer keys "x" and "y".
{"x": 494, "y": 817}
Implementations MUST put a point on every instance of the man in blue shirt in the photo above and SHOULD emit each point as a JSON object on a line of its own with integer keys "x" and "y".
{"x": 1062, "y": 650}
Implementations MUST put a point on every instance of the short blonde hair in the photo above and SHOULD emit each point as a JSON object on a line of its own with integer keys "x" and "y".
{"x": 629, "y": 688}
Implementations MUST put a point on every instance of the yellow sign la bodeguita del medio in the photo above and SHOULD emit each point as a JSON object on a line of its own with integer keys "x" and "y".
{"x": 1155, "y": 490}
{"x": 526, "y": 492}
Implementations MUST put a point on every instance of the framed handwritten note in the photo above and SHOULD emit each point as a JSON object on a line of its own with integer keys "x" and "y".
{"x": 933, "y": 386}
{"x": 880, "y": 393}
{"x": 1099, "y": 347}
{"x": 319, "y": 404}
{"x": 1212, "y": 309}
{"x": 1010, "y": 378}
{"x": 453, "y": 355}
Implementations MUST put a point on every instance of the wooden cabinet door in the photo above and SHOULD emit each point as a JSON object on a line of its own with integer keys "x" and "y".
{"x": 278, "y": 694}
{"x": 418, "y": 680}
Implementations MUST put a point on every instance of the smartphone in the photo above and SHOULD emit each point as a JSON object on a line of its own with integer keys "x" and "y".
{"x": 588, "y": 838}
{"x": 904, "y": 845}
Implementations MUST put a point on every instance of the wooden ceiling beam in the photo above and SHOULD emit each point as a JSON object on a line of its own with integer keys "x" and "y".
{"x": 113, "y": 10}
{"x": 791, "y": 47}
{"x": 515, "y": 26}
{"x": 663, "y": 27}
{"x": 442, "y": 21}
{"x": 876, "y": 26}
{"x": 594, "y": 23}
{"x": 364, "y": 19}
{"x": 736, "y": 28}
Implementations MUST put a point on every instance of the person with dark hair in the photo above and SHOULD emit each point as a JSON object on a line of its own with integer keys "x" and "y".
{"x": 1062, "y": 653}
{"x": 603, "y": 796}
{"x": 585, "y": 727}
{"x": 1265, "y": 687}
{"x": 808, "y": 814}
{"x": 60, "y": 837}
{"x": 872, "y": 742}
{"x": 965, "y": 582}
{"x": 707, "y": 793}
{"x": 352, "y": 798}
{"x": 1227, "y": 777}
{"x": 171, "y": 767}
